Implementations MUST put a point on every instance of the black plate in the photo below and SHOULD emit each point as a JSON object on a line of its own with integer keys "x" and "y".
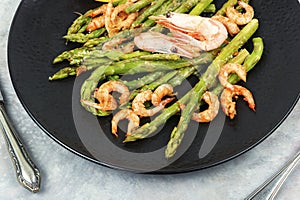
{"x": 36, "y": 38}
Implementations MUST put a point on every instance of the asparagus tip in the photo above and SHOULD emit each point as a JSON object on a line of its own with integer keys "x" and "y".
{"x": 129, "y": 138}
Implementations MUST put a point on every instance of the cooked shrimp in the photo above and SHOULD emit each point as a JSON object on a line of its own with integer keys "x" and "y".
{"x": 107, "y": 20}
{"x": 226, "y": 99}
{"x": 106, "y": 88}
{"x": 160, "y": 92}
{"x": 109, "y": 104}
{"x": 209, "y": 33}
{"x": 113, "y": 18}
{"x": 122, "y": 16}
{"x": 240, "y": 18}
{"x": 211, "y": 112}
{"x": 105, "y": 99}
{"x": 97, "y": 22}
{"x": 230, "y": 68}
{"x": 139, "y": 107}
{"x": 126, "y": 23}
{"x": 134, "y": 121}
{"x": 120, "y": 9}
{"x": 117, "y": 10}
{"x": 98, "y": 11}
{"x": 117, "y": 19}
{"x": 118, "y": 15}
{"x": 232, "y": 27}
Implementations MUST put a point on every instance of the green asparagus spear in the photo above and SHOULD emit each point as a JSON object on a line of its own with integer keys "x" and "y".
{"x": 181, "y": 76}
{"x": 169, "y": 6}
{"x": 77, "y": 24}
{"x": 225, "y": 6}
{"x": 113, "y": 78}
{"x": 149, "y": 78}
{"x": 134, "y": 55}
{"x": 82, "y": 38}
{"x": 178, "y": 132}
{"x": 240, "y": 58}
{"x": 75, "y": 60}
{"x": 138, "y": 6}
{"x": 186, "y": 6}
{"x": 97, "y": 58}
{"x": 94, "y": 42}
{"x": 63, "y": 73}
{"x": 72, "y": 71}
{"x": 96, "y": 62}
{"x": 255, "y": 56}
{"x": 90, "y": 55}
{"x": 83, "y": 27}
{"x": 119, "y": 55}
{"x": 211, "y": 8}
{"x": 149, "y": 11}
{"x": 112, "y": 55}
{"x": 67, "y": 55}
{"x": 118, "y": 2}
{"x": 200, "y": 7}
{"x": 149, "y": 128}
{"x": 159, "y": 56}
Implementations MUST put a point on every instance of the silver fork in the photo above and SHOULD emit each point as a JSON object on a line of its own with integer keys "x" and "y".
{"x": 269, "y": 189}
{"x": 27, "y": 173}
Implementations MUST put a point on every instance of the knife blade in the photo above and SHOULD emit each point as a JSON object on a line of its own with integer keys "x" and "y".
{"x": 27, "y": 173}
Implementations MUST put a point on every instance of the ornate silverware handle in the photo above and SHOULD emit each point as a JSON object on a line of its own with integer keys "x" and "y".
{"x": 27, "y": 173}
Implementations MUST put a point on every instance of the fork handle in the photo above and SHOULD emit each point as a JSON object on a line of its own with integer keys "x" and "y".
{"x": 27, "y": 173}
{"x": 269, "y": 189}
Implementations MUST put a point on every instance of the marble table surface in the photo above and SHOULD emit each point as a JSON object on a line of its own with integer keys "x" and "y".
{"x": 68, "y": 176}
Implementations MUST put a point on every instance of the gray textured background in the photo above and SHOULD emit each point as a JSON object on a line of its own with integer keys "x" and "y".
{"x": 67, "y": 176}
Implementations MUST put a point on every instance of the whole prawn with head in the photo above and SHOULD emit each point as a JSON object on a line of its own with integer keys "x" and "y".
{"x": 205, "y": 33}
{"x": 157, "y": 42}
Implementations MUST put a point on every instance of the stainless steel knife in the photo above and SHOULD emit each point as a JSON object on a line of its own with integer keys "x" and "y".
{"x": 27, "y": 173}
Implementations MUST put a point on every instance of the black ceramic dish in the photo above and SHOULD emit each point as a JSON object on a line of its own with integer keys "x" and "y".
{"x": 36, "y": 38}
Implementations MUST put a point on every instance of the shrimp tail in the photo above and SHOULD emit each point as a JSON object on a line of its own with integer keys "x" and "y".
{"x": 166, "y": 101}
{"x": 229, "y": 107}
